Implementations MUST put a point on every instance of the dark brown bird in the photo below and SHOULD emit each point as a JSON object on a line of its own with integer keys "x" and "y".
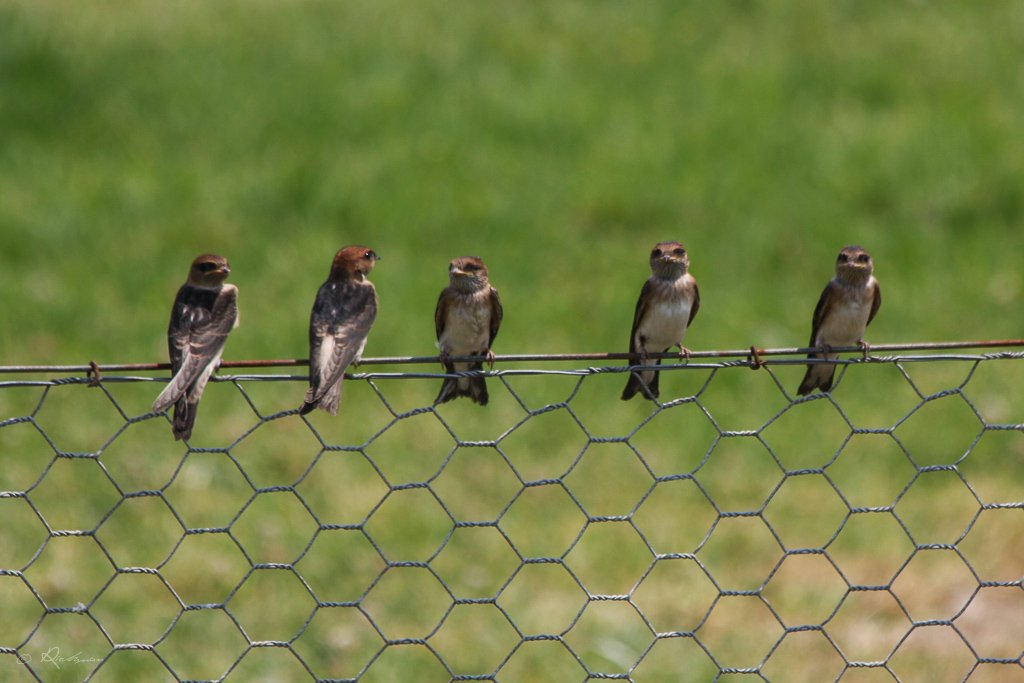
{"x": 846, "y": 307}
{"x": 466, "y": 319}
{"x": 667, "y": 305}
{"x": 205, "y": 310}
{"x": 343, "y": 312}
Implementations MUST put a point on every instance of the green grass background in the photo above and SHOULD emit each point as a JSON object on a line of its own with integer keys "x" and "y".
{"x": 559, "y": 141}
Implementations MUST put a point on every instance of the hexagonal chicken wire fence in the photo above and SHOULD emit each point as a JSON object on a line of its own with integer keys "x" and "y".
{"x": 731, "y": 531}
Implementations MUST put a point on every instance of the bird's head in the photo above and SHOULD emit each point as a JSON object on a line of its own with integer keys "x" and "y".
{"x": 467, "y": 273}
{"x": 353, "y": 262}
{"x": 208, "y": 271}
{"x": 669, "y": 259}
{"x": 854, "y": 264}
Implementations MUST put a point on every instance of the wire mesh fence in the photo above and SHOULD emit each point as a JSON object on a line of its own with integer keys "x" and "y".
{"x": 731, "y": 531}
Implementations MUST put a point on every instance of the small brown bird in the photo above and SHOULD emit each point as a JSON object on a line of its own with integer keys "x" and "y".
{"x": 846, "y": 307}
{"x": 205, "y": 310}
{"x": 667, "y": 305}
{"x": 344, "y": 311}
{"x": 466, "y": 319}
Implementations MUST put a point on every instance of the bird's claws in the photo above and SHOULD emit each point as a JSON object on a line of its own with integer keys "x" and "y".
{"x": 864, "y": 347}
{"x": 684, "y": 352}
{"x": 490, "y": 358}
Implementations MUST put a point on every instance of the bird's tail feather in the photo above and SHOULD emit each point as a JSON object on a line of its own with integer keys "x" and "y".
{"x": 818, "y": 376}
{"x": 473, "y": 387}
{"x": 184, "y": 419}
{"x": 328, "y": 401}
{"x": 643, "y": 383}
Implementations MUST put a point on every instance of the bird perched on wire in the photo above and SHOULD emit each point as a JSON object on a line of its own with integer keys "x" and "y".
{"x": 466, "y": 319}
{"x": 846, "y": 307}
{"x": 205, "y": 310}
{"x": 343, "y": 312}
{"x": 667, "y": 305}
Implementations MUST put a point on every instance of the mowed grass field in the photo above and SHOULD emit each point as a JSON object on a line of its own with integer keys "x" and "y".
{"x": 558, "y": 141}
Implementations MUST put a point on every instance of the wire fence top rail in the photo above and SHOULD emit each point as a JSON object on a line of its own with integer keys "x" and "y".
{"x": 751, "y": 353}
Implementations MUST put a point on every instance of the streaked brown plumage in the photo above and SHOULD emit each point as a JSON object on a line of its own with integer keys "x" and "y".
{"x": 205, "y": 310}
{"x": 343, "y": 312}
{"x": 847, "y": 306}
{"x": 466, "y": 320}
{"x": 667, "y": 305}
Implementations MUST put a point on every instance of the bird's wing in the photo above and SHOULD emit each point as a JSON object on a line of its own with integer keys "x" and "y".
{"x": 639, "y": 313}
{"x": 696, "y": 302}
{"x": 497, "y": 312}
{"x": 441, "y": 312}
{"x": 196, "y": 339}
{"x": 876, "y": 303}
{"x": 822, "y": 310}
{"x": 341, "y": 325}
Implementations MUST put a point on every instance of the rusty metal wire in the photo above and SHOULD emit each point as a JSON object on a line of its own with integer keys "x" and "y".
{"x": 527, "y": 358}
{"x": 730, "y": 529}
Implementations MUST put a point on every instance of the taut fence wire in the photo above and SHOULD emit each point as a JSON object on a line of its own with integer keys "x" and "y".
{"x": 730, "y": 530}
{"x": 540, "y": 358}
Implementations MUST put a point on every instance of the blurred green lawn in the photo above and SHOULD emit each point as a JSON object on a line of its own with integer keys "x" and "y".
{"x": 559, "y": 141}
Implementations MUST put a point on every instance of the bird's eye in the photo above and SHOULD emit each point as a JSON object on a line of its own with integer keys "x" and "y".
{"x": 471, "y": 267}
{"x": 679, "y": 252}
{"x": 842, "y": 258}
{"x": 656, "y": 253}
{"x": 369, "y": 255}
{"x": 863, "y": 258}
{"x": 207, "y": 266}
